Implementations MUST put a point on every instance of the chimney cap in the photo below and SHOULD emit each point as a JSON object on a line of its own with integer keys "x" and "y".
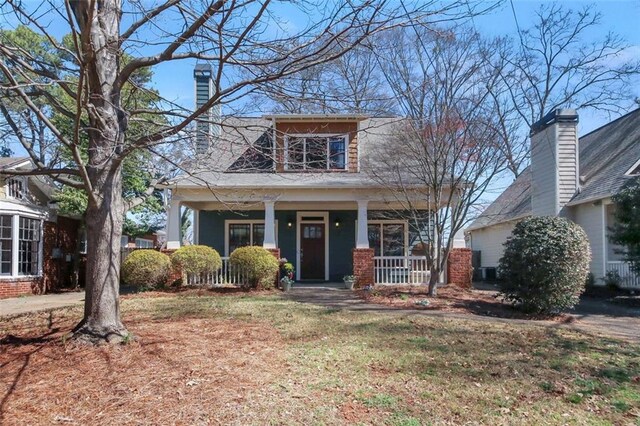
{"x": 202, "y": 70}
{"x": 559, "y": 115}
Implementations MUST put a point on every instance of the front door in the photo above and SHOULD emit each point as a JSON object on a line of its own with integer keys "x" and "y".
{"x": 312, "y": 251}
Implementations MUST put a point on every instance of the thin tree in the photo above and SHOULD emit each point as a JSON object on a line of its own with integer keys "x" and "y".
{"x": 446, "y": 153}
{"x": 555, "y": 63}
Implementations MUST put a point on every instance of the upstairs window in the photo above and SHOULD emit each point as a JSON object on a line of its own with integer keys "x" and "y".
{"x": 17, "y": 188}
{"x": 316, "y": 152}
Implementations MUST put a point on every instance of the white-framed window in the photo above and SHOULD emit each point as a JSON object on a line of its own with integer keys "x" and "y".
{"x": 20, "y": 245}
{"x": 316, "y": 152}
{"x": 240, "y": 233}
{"x": 388, "y": 237}
{"x": 144, "y": 243}
{"x": 17, "y": 188}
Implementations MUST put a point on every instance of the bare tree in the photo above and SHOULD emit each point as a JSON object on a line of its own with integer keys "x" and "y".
{"x": 446, "y": 153}
{"x": 109, "y": 42}
{"x": 553, "y": 64}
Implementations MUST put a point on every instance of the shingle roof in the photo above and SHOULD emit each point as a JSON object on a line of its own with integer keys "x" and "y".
{"x": 9, "y": 162}
{"x": 605, "y": 156}
{"x": 242, "y": 158}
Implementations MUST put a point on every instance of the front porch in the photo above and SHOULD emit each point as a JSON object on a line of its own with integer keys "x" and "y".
{"x": 323, "y": 240}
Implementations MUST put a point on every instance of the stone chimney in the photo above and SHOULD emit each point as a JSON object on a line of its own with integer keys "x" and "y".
{"x": 206, "y": 127}
{"x": 554, "y": 162}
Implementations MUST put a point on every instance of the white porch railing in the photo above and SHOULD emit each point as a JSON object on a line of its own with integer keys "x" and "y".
{"x": 629, "y": 279}
{"x": 225, "y": 276}
{"x": 400, "y": 270}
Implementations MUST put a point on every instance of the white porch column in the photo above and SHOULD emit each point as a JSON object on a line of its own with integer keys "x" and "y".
{"x": 362, "y": 240}
{"x": 269, "y": 225}
{"x": 173, "y": 225}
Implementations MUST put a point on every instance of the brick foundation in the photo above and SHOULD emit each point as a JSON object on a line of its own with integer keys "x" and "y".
{"x": 459, "y": 270}
{"x": 14, "y": 287}
{"x": 363, "y": 266}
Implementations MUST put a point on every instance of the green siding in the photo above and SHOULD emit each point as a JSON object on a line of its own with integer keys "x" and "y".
{"x": 341, "y": 239}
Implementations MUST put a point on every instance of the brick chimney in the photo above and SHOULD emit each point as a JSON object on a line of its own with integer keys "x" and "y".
{"x": 554, "y": 162}
{"x": 206, "y": 127}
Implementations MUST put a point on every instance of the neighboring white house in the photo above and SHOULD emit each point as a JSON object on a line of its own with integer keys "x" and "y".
{"x": 569, "y": 177}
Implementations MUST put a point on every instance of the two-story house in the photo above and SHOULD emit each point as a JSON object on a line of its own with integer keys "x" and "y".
{"x": 36, "y": 244}
{"x": 294, "y": 184}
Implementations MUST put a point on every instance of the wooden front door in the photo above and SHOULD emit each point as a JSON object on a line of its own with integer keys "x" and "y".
{"x": 312, "y": 251}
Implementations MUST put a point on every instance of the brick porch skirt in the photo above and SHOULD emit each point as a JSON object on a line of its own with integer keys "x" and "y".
{"x": 363, "y": 267}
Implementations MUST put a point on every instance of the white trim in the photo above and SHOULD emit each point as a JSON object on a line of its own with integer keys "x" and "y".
{"x": 604, "y": 237}
{"x": 325, "y": 221}
{"x": 304, "y": 136}
{"x": 404, "y": 223}
{"x": 243, "y": 221}
{"x": 15, "y": 244}
{"x": 15, "y": 248}
{"x": 632, "y": 168}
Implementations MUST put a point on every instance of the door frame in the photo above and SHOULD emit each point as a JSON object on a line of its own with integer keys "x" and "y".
{"x": 300, "y": 215}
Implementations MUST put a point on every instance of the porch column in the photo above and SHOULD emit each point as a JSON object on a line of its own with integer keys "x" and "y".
{"x": 173, "y": 225}
{"x": 362, "y": 240}
{"x": 269, "y": 225}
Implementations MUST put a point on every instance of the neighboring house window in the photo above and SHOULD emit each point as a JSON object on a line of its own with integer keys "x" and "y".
{"x": 17, "y": 187}
{"x": 28, "y": 246}
{"x": 316, "y": 152}
{"x": 25, "y": 234}
{"x": 83, "y": 241}
{"x": 388, "y": 238}
{"x": 144, "y": 243}
{"x": 242, "y": 233}
{"x": 124, "y": 241}
{"x": 6, "y": 246}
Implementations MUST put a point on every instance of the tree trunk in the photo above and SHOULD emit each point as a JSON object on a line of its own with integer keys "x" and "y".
{"x": 434, "y": 277}
{"x": 104, "y": 221}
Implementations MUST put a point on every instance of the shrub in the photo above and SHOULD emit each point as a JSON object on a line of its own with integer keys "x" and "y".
{"x": 196, "y": 260}
{"x": 256, "y": 264}
{"x": 146, "y": 269}
{"x": 612, "y": 280}
{"x": 545, "y": 264}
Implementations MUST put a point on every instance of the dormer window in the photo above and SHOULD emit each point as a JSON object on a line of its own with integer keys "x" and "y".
{"x": 316, "y": 152}
{"x": 17, "y": 188}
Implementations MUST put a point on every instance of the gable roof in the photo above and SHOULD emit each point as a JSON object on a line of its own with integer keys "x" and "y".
{"x": 605, "y": 154}
{"x": 242, "y": 157}
{"x": 7, "y": 163}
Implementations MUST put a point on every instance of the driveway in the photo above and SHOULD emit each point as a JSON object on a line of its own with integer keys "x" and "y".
{"x": 593, "y": 316}
{"x": 23, "y": 305}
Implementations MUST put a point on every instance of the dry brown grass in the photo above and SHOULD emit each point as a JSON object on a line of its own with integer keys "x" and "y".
{"x": 258, "y": 359}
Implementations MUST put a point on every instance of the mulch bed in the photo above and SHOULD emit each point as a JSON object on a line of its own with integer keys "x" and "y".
{"x": 191, "y": 371}
{"x": 450, "y": 298}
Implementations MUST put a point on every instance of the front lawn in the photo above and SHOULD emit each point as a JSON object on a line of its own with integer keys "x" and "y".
{"x": 259, "y": 359}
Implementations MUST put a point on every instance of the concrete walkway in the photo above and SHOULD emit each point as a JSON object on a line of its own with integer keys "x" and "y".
{"x": 618, "y": 322}
{"x": 23, "y": 305}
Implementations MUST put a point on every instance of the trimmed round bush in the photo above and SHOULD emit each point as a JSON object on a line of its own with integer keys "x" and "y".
{"x": 146, "y": 269}
{"x": 196, "y": 260}
{"x": 545, "y": 265}
{"x": 256, "y": 264}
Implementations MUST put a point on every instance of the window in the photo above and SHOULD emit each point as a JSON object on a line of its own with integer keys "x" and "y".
{"x": 242, "y": 233}
{"x": 29, "y": 246}
{"x": 387, "y": 238}
{"x": 144, "y": 243}
{"x": 20, "y": 245}
{"x": 17, "y": 188}
{"x": 316, "y": 152}
{"x": 6, "y": 248}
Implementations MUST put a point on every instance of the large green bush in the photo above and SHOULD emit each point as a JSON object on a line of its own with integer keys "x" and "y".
{"x": 146, "y": 269}
{"x": 545, "y": 264}
{"x": 196, "y": 260}
{"x": 257, "y": 266}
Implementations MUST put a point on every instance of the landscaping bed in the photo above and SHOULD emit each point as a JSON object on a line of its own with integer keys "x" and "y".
{"x": 450, "y": 298}
{"x": 256, "y": 359}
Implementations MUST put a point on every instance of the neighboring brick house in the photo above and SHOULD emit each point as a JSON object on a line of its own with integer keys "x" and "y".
{"x": 37, "y": 246}
{"x": 295, "y": 185}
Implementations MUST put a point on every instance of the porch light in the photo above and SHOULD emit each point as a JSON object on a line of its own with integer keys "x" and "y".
{"x": 289, "y": 222}
{"x": 338, "y": 221}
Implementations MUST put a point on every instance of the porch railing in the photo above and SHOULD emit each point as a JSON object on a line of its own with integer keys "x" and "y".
{"x": 400, "y": 270}
{"x": 225, "y": 276}
{"x": 629, "y": 279}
